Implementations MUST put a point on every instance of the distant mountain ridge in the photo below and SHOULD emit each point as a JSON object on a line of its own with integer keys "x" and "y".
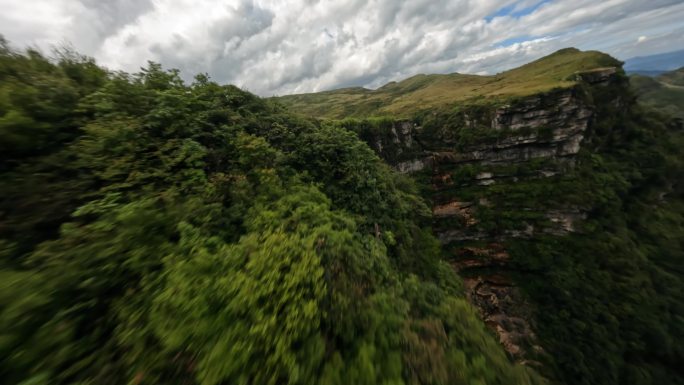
{"x": 654, "y": 65}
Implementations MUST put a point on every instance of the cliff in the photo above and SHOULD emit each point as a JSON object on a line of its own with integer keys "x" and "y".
{"x": 529, "y": 173}
{"x": 534, "y": 140}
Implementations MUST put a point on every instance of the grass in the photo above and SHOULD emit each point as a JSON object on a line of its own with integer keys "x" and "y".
{"x": 430, "y": 92}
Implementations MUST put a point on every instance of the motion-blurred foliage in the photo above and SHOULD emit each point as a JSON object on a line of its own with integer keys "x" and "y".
{"x": 157, "y": 232}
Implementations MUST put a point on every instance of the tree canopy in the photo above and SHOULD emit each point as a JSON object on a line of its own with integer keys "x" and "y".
{"x": 153, "y": 231}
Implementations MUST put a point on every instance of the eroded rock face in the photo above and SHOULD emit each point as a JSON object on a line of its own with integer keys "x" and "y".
{"x": 548, "y": 126}
{"x": 541, "y": 134}
{"x": 560, "y": 222}
{"x": 460, "y": 209}
{"x": 411, "y": 166}
{"x": 552, "y": 125}
{"x": 500, "y": 303}
{"x": 560, "y": 110}
{"x": 504, "y": 309}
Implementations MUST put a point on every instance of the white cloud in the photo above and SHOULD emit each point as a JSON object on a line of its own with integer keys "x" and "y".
{"x": 277, "y": 47}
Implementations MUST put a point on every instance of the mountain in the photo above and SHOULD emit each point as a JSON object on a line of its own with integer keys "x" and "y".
{"x": 523, "y": 228}
{"x": 654, "y": 65}
{"x": 664, "y": 92}
{"x": 556, "y": 198}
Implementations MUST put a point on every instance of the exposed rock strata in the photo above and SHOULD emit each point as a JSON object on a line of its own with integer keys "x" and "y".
{"x": 552, "y": 125}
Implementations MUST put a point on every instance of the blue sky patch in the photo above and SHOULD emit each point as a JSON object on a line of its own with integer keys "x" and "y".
{"x": 514, "y": 40}
{"x": 510, "y": 10}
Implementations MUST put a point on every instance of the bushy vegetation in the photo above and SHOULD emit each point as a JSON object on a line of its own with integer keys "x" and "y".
{"x": 157, "y": 232}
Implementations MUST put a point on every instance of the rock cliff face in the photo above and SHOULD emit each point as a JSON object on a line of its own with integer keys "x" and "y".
{"x": 477, "y": 169}
{"x": 543, "y": 126}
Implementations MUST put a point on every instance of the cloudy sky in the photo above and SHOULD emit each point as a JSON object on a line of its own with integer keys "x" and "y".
{"x": 276, "y": 47}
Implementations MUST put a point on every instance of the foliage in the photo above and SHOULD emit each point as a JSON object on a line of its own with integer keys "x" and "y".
{"x": 158, "y": 232}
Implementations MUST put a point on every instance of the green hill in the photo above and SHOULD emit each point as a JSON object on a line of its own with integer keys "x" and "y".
{"x": 429, "y": 92}
{"x": 675, "y": 78}
{"x": 664, "y": 93}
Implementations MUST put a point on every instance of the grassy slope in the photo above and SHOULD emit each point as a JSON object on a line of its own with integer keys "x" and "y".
{"x": 664, "y": 93}
{"x": 675, "y": 78}
{"x": 422, "y": 92}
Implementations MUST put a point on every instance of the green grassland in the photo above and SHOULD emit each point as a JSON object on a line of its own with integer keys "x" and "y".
{"x": 436, "y": 92}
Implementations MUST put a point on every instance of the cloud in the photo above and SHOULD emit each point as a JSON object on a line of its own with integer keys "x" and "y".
{"x": 277, "y": 47}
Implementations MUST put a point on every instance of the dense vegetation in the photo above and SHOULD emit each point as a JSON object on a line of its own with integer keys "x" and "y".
{"x": 609, "y": 297}
{"x": 153, "y": 231}
{"x": 157, "y": 232}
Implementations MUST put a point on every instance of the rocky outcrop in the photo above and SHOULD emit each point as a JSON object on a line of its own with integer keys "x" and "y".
{"x": 460, "y": 209}
{"x": 598, "y": 76}
{"x": 562, "y": 111}
{"x": 538, "y": 127}
{"x": 415, "y": 165}
{"x": 551, "y": 125}
{"x": 557, "y": 222}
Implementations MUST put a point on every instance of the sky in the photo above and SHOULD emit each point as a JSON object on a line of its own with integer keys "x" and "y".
{"x": 273, "y": 47}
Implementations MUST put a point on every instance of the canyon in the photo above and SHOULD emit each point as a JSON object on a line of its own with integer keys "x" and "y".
{"x": 541, "y": 194}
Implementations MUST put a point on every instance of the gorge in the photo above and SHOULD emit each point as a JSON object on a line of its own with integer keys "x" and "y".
{"x": 518, "y": 176}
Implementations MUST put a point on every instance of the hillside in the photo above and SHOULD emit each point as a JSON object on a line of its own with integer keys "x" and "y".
{"x": 673, "y": 78}
{"x": 440, "y": 92}
{"x": 664, "y": 93}
{"x": 654, "y": 65}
